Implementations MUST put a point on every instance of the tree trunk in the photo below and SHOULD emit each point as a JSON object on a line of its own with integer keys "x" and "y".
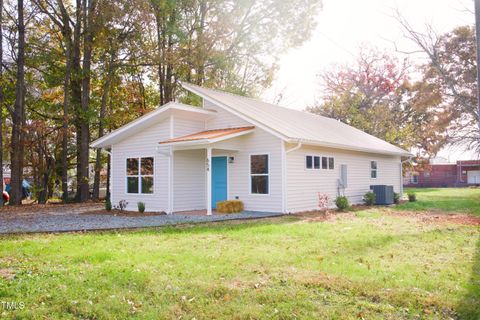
{"x": 46, "y": 184}
{"x": 42, "y": 177}
{"x": 75, "y": 81}
{"x": 103, "y": 110}
{"x": 67, "y": 36}
{"x": 84, "y": 134}
{"x": 169, "y": 82}
{"x": 18, "y": 116}
{"x": 161, "y": 44}
{"x": 201, "y": 45}
{"x": 1, "y": 104}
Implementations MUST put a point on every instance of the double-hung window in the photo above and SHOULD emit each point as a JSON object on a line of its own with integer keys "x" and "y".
{"x": 140, "y": 175}
{"x": 373, "y": 169}
{"x": 259, "y": 174}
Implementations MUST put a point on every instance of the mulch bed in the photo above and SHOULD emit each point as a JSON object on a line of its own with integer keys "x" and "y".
{"x": 49, "y": 208}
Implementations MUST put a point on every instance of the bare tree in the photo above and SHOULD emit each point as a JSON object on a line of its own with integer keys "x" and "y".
{"x": 451, "y": 68}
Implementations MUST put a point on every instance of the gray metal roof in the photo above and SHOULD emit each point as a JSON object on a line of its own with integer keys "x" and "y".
{"x": 298, "y": 126}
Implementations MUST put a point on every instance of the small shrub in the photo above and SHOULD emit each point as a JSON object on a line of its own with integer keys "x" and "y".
{"x": 230, "y": 206}
{"x": 369, "y": 198}
{"x": 122, "y": 205}
{"x": 342, "y": 203}
{"x": 412, "y": 197}
{"x": 108, "y": 205}
{"x": 323, "y": 201}
{"x": 396, "y": 198}
{"x": 141, "y": 207}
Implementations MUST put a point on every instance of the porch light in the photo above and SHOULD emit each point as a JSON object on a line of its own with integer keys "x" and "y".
{"x": 231, "y": 159}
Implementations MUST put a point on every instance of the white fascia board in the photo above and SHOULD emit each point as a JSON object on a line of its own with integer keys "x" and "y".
{"x": 105, "y": 141}
{"x": 346, "y": 147}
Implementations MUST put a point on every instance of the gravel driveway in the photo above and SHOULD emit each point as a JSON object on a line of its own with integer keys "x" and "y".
{"x": 75, "y": 221}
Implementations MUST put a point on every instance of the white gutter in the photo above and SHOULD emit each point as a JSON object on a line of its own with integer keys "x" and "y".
{"x": 298, "y": 146}
{"x": 346, "y": 147}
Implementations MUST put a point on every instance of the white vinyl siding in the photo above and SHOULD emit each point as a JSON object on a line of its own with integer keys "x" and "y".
{"x": 189, "y": 180}
{"x": 183, "y": 126}
{"x": 303, "y": 186}
{"x": 223, "y": 119}
{"x": 257, "y": 142}
{"x": 142, "y": 144}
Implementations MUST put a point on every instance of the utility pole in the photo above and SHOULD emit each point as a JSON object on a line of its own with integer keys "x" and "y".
{"x": 477, "y": 39}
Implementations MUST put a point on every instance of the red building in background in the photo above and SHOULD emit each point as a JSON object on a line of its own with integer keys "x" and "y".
{"x": 463, "y": 173}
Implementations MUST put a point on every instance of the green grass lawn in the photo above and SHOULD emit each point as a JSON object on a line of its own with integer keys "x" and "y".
{"x": 369, "y": 264}
{"x": 463, "y": 200}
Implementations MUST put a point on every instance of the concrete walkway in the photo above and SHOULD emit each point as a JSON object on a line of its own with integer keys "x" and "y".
{"x": 81, "y": 222}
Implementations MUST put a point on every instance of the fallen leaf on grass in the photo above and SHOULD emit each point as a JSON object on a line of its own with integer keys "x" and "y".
{"x": 7, "y": 274}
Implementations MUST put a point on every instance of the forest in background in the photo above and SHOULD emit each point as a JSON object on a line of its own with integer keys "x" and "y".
{"x": 73, "y": 70}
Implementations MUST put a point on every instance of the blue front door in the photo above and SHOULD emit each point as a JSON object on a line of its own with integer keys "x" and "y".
{"x": 219, "y": 180}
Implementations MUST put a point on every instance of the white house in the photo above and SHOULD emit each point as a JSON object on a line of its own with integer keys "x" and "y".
{"x": 180, "y": 157}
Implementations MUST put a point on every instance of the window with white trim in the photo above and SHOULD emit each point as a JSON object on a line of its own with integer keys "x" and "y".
{"x": 318, "y": 162}
{"x": 140, "y": 175}
{"x": 312, "y": 162}
{"x": 309, "y": 162}
{"x": 373, "y": 169}
{"x": 328, "y": 163}
{"x": 259, "y": 174}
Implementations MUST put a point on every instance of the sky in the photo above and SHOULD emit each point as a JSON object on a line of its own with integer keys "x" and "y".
{"x": 344, "y": 26}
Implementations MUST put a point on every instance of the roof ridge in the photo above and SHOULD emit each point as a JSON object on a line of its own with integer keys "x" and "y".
{"x": 304, "y": 111}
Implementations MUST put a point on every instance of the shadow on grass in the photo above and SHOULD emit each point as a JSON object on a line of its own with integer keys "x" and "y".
{"x": 469, "y": 307}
